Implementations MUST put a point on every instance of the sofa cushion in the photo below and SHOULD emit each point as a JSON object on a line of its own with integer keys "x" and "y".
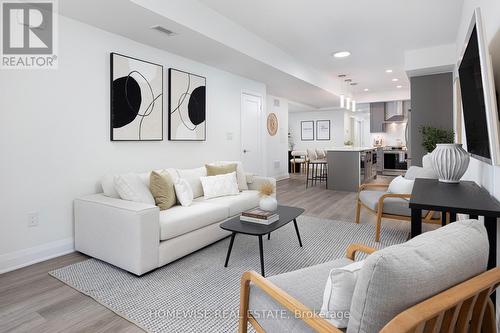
{"x": 179, "y": 220}
{"x": 132, "y": 188}
{"x": 400, "y": 276}
{"x": 237, "y": 203}
{"x": 306, "y": 285}
{"x": 183, "y": 192}
{"x": 214, "y": 170}
{"x": 240, "y": 173}
{"x": 162, "y": 188}
{"x": 193, "y": 178}
{"x": 220, "y": 185}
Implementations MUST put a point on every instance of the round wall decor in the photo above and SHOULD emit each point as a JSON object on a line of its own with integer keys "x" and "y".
{"x": 272, "y": 124}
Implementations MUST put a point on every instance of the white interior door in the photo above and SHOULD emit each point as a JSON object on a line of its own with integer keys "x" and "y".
{"x": 251, "y": 119}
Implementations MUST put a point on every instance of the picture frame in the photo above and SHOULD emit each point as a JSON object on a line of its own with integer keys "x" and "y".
{"x": 186, "y": 106}
{"x": 323, "y": 130}
{"x": 136, "y": 99}
{"x": 307, "y": 130}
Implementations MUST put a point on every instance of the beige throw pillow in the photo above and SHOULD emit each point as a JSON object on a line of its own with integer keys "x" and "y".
{"x": 215, "y": 170}
{"x": 161, "y": 185}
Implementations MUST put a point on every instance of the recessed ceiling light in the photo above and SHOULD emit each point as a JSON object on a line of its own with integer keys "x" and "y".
{"x": 395, "y": 80}
{"x": 399, "y": 87}
{"x": 388, "y": 70}
{"x": 342, "y": 54}
{"x": 366, "y": 89}
{"x": 348, "y": 80}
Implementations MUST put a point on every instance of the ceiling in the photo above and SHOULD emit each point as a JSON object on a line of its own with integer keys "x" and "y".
{"x": 128, "y": 19}
{"x": 288, "y": 44}
{"x": 375, "y": 32}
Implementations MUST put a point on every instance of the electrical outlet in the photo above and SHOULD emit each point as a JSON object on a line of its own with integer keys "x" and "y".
{"x": 33, "y": 220}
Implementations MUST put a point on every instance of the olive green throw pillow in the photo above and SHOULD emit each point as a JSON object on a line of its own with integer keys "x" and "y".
{"x": 214, "y": 170}
{"x": 161, "y": 185}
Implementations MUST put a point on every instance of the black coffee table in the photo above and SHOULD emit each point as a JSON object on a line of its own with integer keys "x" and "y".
{"x": 287, "y": 214}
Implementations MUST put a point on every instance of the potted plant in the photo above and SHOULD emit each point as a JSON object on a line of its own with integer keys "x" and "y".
{"x": 448, "y": 159}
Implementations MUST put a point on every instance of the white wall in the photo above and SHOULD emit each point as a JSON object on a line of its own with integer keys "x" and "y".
{"x": 277, "y": 146}
{"x": 336, "y": 118}
{"x": 54, "y": 135}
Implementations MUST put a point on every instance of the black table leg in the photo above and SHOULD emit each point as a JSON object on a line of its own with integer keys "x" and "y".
{"x": 443, "y": 218}
{"x": 475, "y": 217}
{"x": 268, "y": 236}
{"x": 453, "y": 217}
{"x": 297, "y": 231}
{"x": 491, "y": 227}
{"x": 230, "y": 248}
{"x": 261, "y": 252}
{"x": 416, "y": 222}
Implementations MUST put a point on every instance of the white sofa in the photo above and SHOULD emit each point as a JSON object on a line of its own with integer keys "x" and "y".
{"x": 138, "y": 237}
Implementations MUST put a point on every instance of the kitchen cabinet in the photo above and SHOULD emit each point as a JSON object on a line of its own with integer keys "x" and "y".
{"x": 377, "y": 117}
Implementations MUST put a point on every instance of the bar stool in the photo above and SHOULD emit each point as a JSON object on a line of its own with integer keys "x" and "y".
{"x": 298, "y": 157}
{"x": 316, "y": 168}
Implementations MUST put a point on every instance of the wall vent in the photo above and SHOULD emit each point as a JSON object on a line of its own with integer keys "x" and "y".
{"x": 164, "y": 30}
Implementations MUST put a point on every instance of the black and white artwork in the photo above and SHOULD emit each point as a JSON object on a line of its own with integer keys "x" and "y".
{"x": 136, "y": 99}
{"x": 187, "y": 106}
{"x": 322, "y": 130}
{"x": 307, "y": 130}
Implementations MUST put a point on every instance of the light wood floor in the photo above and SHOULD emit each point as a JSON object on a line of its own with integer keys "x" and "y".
{"x": 33, "y": 301}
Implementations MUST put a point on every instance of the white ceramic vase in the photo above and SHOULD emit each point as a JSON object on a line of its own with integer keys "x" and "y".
{"x": 449, "y": 161}
{"x": 268, "y": 203}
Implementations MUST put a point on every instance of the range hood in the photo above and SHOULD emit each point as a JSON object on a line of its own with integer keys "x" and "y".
{"x": 394, "y": 111}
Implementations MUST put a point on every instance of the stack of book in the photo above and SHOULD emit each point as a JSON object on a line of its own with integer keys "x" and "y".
{"x": 260, "y": 216}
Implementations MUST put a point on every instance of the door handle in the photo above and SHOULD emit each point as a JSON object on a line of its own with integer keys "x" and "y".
{"x": 245, "y": 151}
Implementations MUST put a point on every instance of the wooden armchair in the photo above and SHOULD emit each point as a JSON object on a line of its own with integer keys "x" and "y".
{"x": 466, "y": 307}
{"x": 291, "y": 304}
{"x": 379, "y": 202}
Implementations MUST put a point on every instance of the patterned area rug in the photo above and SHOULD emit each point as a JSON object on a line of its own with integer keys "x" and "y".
{"x": 196, "y": 293}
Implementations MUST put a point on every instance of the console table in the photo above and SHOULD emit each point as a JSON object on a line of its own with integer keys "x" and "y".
{"x": 465, "y": 197}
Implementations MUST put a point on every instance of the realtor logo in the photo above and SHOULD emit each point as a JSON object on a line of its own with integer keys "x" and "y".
{"x": 28, "y": 34}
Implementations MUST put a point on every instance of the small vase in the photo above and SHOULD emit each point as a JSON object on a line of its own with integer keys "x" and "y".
{"x": 268, "y": 203}
{"x": 450, "y": 161}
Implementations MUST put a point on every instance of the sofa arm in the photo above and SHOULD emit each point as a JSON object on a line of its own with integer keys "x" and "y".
{"x": 257, "y": 182}
{"x": 123, "y": 233}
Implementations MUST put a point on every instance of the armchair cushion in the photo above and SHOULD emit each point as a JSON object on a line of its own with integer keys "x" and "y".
{"x": 400, "y": 185}
{"x": 400, "y": 276}
{"x": 306, "y": 285}
{"x": 394, "y": 206}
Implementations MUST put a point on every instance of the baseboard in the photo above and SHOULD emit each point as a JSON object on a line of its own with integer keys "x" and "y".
{"x": 18, "y": 259}
{"x": 282, "y": 177}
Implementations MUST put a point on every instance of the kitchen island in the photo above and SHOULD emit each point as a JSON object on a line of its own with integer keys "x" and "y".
{"x": 349, "y": 167}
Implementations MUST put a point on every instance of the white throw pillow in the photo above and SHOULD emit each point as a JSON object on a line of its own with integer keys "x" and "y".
{"x": 183, "y": 192}
{"x": 400, "y": 185}
{"x": 240, "y": 173}
{"x": 192, "y": 176}
{"x": 130, "y": 187}
{"x": 108, "y": 186}
{"x": 339, "y": 289}
{"x": 220, "y": 185}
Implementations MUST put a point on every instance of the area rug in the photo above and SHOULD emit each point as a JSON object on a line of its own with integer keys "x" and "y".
{"x": 196, "y": 293}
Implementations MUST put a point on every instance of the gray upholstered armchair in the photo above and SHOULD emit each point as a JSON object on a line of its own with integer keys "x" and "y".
{"x": 436, "y": 282}
{"x": 376, "y": 199}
